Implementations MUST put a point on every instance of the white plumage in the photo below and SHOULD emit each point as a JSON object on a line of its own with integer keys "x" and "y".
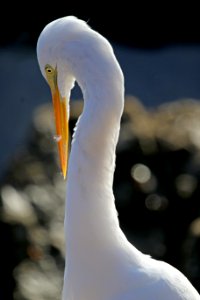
{"x": 100, "y": 262}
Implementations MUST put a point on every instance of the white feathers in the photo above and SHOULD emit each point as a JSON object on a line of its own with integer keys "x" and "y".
{"x": 100, "y": 263}
{"x": 78, "y": 52}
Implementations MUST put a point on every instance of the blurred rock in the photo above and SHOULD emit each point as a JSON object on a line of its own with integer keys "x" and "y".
{"x": 156, "y": 184}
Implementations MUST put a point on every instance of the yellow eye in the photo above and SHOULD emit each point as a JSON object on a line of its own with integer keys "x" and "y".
{"x": 48, "y": 69}
{"x": 51, "y": 76}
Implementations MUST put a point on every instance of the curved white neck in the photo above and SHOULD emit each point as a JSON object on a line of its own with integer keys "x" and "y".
{"x": 90, "y": 210}
{"x": 96, "y": 248}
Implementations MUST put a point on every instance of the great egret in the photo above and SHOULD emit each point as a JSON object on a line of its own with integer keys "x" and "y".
{"x": 100, "y": 262}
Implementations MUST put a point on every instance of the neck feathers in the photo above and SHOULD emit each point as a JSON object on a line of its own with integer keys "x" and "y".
{"x": 90, "y": 200}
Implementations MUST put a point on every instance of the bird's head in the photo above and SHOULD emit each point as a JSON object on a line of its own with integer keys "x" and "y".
{"x": 57, "y": 70}
{"x": 69, "y": 49}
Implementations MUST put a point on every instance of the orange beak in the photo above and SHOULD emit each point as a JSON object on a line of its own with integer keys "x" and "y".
{"x": 61, "y": 117}
{"x": 62, "y": 130}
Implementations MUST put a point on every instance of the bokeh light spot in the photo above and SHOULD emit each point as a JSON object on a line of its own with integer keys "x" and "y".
{"x": 156, "y": 202}
{"x": 185, "y": 185}
{"x": 141, "y": 173}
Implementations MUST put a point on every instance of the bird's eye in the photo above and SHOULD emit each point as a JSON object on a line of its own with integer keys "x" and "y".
{"x": 49, "y": 70}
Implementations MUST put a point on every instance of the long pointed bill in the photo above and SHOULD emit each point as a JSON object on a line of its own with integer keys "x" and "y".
{"x": 62, "y": 129}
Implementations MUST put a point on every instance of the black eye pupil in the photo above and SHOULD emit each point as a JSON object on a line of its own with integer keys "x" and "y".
{"x": 49, "y": 71}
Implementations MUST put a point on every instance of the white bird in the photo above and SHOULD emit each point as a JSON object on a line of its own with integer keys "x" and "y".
{"x": 101, "y": 264}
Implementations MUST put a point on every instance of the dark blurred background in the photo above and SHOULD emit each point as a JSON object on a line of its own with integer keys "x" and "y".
{"x": 157, "y": 179}
{"x": 138, "y": 24}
